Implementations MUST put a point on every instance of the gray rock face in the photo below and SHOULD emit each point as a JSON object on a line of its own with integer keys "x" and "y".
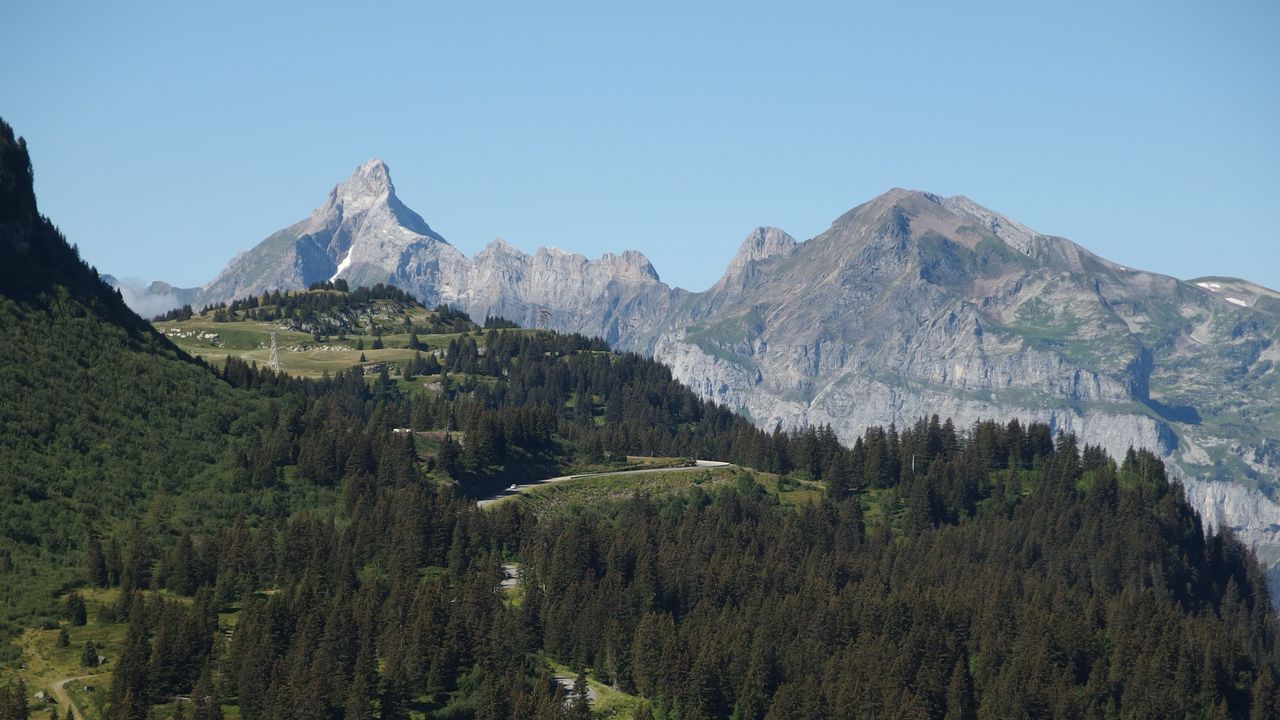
{"x": 909, "y": 304}
{"x": 762, "y": 244}
{"x": 614, "y": 297}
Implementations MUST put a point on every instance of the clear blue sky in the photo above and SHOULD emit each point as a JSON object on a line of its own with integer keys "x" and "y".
{"x": 169, "y": 136}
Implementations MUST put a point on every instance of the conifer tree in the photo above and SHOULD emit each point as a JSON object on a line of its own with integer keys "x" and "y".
{"x": 15, "y": 704}
{"x": 960, "y": 694}
{"x": 89, "y": 655}
{"x": 580, "y": 698}
{"x": 128, "y": 698}
{"x": 180, "y": 572}
{"x": 74, "y": 609}
{"x": 97, "y": 562}
{"x": 449, "y": 457}
{"x": 358, "y": 703}
{"x": 115, "y": 567}
{"x": 206, "y": 703}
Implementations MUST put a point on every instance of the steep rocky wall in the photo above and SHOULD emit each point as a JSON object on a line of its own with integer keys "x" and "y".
{"x": 851, "y": 403}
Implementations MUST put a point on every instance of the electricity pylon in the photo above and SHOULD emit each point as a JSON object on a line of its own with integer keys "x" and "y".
{"x": 274, "y": 362}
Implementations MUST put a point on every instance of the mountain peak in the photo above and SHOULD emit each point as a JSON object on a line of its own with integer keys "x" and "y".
{"x": 761, "y": 244}
{"x": 898, "y": 212}
{"x": 368, "y": 190}
{"x": 362, "y": 233}
{"x": 369, "y": 183}
{"x": 916, "y": 203}
{"x": 898, "y": 194}
{"x": 632, "y": 264}
{"x": 499, "y": 247}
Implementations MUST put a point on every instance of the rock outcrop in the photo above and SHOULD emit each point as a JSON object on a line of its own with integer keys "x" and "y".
{"x": 615, "y": 297}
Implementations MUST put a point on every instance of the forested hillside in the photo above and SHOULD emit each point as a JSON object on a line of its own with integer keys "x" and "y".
{"x": 1050, "y": 583}
{"x": 1054, "y": 585}
{"x": 102, "y": 418}
{"x": 228, "y": 541}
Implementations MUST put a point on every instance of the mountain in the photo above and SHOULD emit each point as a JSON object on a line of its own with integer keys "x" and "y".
{"x": 153, "y": 299}
{"x": 913, "y": 304}
{"x": 362, "y": 232}
{"x": 910, "y": 304}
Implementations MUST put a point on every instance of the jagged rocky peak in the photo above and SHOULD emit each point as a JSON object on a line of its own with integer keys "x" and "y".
{"x": 630, "y": 264}
{"x": 369, "y": 191}
{"x": 362, "y": 233}
{"x": 499, "y": 247}
{"x": 369, "y": 183}
{"x": 368, "y": 186}
{"x": 761, "y": 244}
{"x": 627, "y": 265}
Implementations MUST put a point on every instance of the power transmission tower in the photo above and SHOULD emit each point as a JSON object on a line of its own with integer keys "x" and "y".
{"x": 274, "y": 362}
{"x": 544, "y": 319}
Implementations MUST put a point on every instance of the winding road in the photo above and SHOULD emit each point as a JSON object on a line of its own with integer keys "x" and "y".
{"x": 698, "y": 465}
{"x": 59, "y": 691}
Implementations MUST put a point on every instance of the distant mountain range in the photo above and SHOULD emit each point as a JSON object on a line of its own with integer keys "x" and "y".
{"x": 910, "y": 304}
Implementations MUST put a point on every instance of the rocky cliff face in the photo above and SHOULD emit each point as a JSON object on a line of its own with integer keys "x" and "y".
{"x": 614, "y": 297}
{"x": 909, "y": 304}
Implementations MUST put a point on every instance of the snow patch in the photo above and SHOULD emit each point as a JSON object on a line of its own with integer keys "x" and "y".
{"x": 1215, "y": 287}
{"x": 1237, "y": 301}
{"x": 346, "y": 263}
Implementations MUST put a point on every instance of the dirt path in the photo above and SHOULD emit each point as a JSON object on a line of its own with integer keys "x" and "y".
{"x": 699, "y": 465}
{"x": 59, "y": 691}
{"x": 567, "y": 681}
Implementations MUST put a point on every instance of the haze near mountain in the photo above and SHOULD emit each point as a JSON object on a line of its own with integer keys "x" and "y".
{"x": 910, "y": 304}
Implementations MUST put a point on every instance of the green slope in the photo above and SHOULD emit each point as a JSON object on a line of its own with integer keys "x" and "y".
{"x": 101, "y": 416}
